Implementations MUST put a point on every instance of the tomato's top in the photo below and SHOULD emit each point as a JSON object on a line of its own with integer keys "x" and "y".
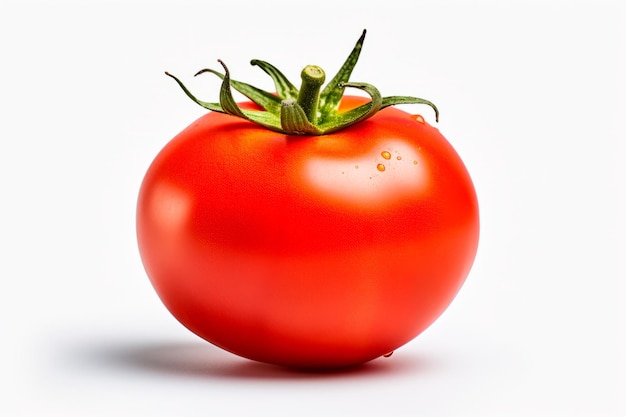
{"x": 310, "y": 110}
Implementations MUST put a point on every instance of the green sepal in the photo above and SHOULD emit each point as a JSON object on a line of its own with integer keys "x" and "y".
{"x": 266, "y": 100}
{"x": 358, "y": 114}
{"x": 330, "y": 97}
{"x": 227, "y": 101}
{"x": 294, "y": 121}
{"x": 209, "y": 106}
{"x": 283, "y": 87}
{"x": 396, "y": 100}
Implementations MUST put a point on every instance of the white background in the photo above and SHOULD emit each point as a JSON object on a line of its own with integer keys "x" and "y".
{"x": 531, "y": 95}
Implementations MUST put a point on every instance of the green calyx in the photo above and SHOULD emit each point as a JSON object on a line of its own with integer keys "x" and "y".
{"x": 311, "y": 110}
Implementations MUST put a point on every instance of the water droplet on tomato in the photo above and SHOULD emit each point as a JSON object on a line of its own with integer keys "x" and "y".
{"x": 385, "y": 155}
{"x": 414, "y": 162}
{"x": 380, "y": 167}
{"x": 399, "y": 158}
{"x": 418, "y": 118}
{"x": 388, "y": 354}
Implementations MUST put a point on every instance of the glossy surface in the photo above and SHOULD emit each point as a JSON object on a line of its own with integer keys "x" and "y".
{"x": 321, "y": 251}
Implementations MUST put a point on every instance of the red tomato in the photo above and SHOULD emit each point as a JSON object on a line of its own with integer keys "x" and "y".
{"x": 308, "y": 251}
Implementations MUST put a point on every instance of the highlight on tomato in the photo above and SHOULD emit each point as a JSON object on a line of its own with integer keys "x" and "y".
{"x": 305, "y": 227}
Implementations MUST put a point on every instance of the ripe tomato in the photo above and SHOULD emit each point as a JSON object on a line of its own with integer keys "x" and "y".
{"x": 333, "y": 234}
{"x": 308, "y": 251}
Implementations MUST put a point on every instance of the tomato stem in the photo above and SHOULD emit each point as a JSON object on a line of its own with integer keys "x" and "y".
{"x": 309, "y": 96}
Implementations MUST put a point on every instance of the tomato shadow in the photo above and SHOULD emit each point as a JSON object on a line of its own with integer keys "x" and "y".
{"x": 202, "y": 360}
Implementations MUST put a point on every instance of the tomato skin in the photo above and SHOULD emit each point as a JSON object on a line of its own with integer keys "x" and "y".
{"x": 316, "y": 252}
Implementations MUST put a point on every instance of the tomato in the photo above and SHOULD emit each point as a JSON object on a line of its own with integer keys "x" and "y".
{"x": 310, "y": 251}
